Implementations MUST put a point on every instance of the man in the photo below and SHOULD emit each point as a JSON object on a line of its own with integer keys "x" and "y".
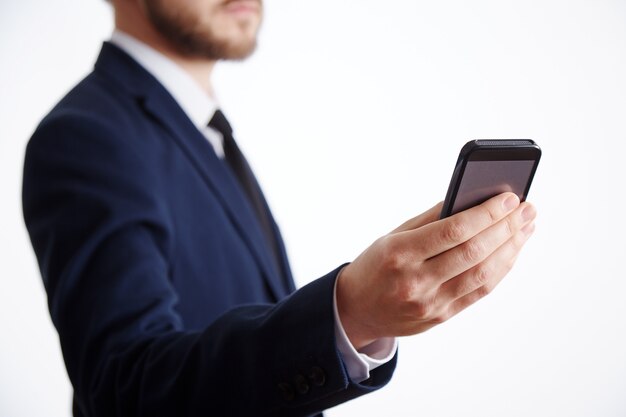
{"x": 166, "y": 275}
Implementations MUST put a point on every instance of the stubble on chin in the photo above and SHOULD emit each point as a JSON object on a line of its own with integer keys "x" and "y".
{"x": 194, "y": 37}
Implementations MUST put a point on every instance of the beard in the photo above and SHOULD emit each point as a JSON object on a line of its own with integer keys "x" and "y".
{"x": 194, "y": 37}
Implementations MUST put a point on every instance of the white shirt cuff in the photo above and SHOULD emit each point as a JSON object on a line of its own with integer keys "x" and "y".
{"x": 360, "y": 363}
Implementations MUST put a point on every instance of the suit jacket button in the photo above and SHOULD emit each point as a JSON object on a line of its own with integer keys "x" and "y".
{"x": 287, "y": 391}
{"x": 317, "y": 376}
{"x": 302, "y": 385}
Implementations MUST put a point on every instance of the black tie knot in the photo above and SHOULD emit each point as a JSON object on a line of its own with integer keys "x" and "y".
{"x": 219, "y": 123}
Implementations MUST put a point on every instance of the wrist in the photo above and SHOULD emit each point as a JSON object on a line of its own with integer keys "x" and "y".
{"x": 351, "y": 319}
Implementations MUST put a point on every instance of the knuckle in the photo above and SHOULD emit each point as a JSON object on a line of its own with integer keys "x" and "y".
{"x": 484, "y": 291}
{"x": 472, "y": 251}
{"x": 422, "y": 310}
{"x": 438, "y": 319}
{"x": 482, "y": 275}
{"x": 412, "y": 294}
{"x": 491, "y": 214}
{"x": 443, "y": 316}
{"x": 454, "y": 231}
{"x": 509, "y": 227}
{"x": 393, "y": 259}
{"x": 405, "y": 293}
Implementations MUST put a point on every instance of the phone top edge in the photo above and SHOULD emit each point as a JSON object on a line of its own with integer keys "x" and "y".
{"x": 497, "y": 143}
{"x": 504, "y": 142}
{"x": 485, "y": 147}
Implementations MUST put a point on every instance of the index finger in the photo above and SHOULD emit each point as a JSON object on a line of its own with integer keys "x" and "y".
{"x": 439, "y": 236}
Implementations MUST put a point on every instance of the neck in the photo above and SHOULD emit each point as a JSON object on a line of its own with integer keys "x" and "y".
{"x": 132, "y": 20}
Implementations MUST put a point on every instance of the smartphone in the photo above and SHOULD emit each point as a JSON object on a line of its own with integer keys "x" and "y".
{"x": 488, "y": 167}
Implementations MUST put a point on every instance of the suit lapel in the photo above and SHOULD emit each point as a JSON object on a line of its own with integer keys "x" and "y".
{"x": 164, "y": 110}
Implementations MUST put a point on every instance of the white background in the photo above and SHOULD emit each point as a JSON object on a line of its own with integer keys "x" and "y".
{"x": 352, "y": 113}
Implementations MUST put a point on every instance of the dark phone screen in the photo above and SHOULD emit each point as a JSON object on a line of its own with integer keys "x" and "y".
{"x": 485, "y": 179}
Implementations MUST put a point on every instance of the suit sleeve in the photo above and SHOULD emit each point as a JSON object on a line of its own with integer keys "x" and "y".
{"x": 103, "y": 240}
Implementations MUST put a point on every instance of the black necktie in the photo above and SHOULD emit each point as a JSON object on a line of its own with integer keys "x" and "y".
{"x": 238, "y": 164}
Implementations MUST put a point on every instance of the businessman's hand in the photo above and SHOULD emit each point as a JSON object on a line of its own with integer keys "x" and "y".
{"x": 428, "y": 270}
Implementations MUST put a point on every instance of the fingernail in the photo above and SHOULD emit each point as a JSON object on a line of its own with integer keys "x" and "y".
{"x": 528, "y": 213}
{"x": 511, "y": 202}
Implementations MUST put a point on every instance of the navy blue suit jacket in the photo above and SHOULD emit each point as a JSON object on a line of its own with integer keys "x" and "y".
{"x": 165, "y": 296}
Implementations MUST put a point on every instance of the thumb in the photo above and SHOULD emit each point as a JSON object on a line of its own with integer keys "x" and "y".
{"x": 423, "y": 219}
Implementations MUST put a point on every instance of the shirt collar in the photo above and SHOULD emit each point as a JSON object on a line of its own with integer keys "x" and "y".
{"x": 197, "y": 104}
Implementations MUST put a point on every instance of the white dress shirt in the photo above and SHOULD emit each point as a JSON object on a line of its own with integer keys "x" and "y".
{"x": 200, "y": 107}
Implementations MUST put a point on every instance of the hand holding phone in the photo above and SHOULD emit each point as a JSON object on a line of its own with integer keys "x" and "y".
{"x": 486, "y": 168}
